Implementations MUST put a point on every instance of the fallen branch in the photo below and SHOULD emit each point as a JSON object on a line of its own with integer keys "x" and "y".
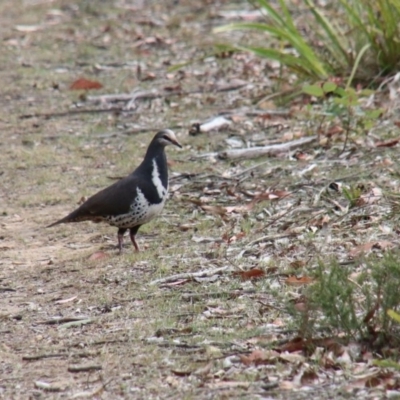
{"x": 71, "y": 112}
{"x": 189, "y": 275}
{"x": 254, "y": 152}
{"x": 129, "y": 97}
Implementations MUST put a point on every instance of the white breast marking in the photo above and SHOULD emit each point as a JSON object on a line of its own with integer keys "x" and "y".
{"x": 155, "y": 178}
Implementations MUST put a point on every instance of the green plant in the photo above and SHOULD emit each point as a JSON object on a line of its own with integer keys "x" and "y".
{"x": 337, "y": 38}
{"x": 352, "y": 195}
{"x": 389, "y": 363}
{"x": 354, "y": 306}
{"x": 345, "y": 105}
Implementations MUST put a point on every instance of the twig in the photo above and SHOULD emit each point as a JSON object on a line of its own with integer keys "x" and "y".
{"x": 189, "y": 275}
{"x": 269, "y": 237}
{"x": 84, "y": 368}
{"x": 41, "y": 356}
{"x": 209, "y": 295}
{"x": 73, "y": 112}
{"x": 255, "y": 112}
{"x": 62, "y": 320}
{"x": 6, "y": 289}
{"x": 49, "y": 387}
{"x": 254, "y": 152}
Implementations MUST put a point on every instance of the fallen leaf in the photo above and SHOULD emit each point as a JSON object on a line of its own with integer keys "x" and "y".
{"x": 299, "y": 344}
{"x": 216, "y": 210}
{"x": 387, "y": 143}
{"x": 85, "y": 84}
{"x": 297, "y": 264}
{"x": 150, "y": 76}
{"x": 372, "y": 197}
{"x": 259, "y": 357}
{"x": 334, "y": 130}
{"x": 254, "y": 273}
{"x": 98, "y": 255}
{"x": 234, "y": 238}
{"x": 367, "y": 247}
{"x": 294, "y": 280}
{"x": 308, "y": 377}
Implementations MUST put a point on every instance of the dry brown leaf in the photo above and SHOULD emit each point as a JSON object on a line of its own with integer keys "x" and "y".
{"x": 387, "y": 143}
{"x": 372, "y": 197}
{"x": 254, "y": 273}
{"x": 85, "y": 84}
{"x": 367, "y": 247}
{"x": 300, "y": 344}
{"x": 259, "y": 357}
{"x": 234, "y": 238}
{"x": 294, "y": 280}
{"x": 296, "y": 344}
{"x": 301, "y": 156}
{"x": 297, "y": 264}
{"x": 216, "y": 210}
{"x": 308, "y": 377}
{"x": 334, "y": 130}
{"x": 98, "y": 255}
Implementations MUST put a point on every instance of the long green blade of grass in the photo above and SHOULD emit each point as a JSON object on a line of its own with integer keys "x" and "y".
{"x": 337, "y": 49}
{"x": 306, "y": 54}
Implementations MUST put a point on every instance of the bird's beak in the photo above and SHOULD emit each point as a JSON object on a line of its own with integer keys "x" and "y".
{"x": 175, "y": 142}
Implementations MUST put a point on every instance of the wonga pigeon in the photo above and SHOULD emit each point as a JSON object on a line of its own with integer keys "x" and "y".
{"x": 135, "y": 199}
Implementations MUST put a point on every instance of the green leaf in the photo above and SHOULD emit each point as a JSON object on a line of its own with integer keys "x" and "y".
{"x": 374, "y": 114}
{"x": 313, "y": 90}
{"x": 387, "y": 364}
{"x": 394, "y": 315}
{"x": 329, "y": 87}
{"x": 340, "y": 92}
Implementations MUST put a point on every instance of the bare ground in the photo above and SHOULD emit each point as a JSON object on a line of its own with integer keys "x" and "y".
{"x": 76, "y": 319}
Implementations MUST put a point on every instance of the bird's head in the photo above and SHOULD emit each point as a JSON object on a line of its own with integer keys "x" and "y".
{"x": 167, "y": 137}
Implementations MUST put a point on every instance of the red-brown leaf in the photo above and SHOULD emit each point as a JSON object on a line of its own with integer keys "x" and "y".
{"x": 254, "y": 273}
{"x": 387, "y": 143}
{"x": 85, "y": 84}
{"x": 294, "y": 280}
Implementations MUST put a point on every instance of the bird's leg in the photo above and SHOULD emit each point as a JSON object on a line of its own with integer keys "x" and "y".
{"x": 121, "y": 232}
{"x": 132, "y": 233}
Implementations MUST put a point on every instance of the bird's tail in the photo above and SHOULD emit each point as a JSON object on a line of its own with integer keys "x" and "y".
{"x": 75, "y": 216}
{"x": 60, "y": 221}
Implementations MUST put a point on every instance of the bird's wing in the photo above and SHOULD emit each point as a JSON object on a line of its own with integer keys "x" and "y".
{"x": 113, "y": 200}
